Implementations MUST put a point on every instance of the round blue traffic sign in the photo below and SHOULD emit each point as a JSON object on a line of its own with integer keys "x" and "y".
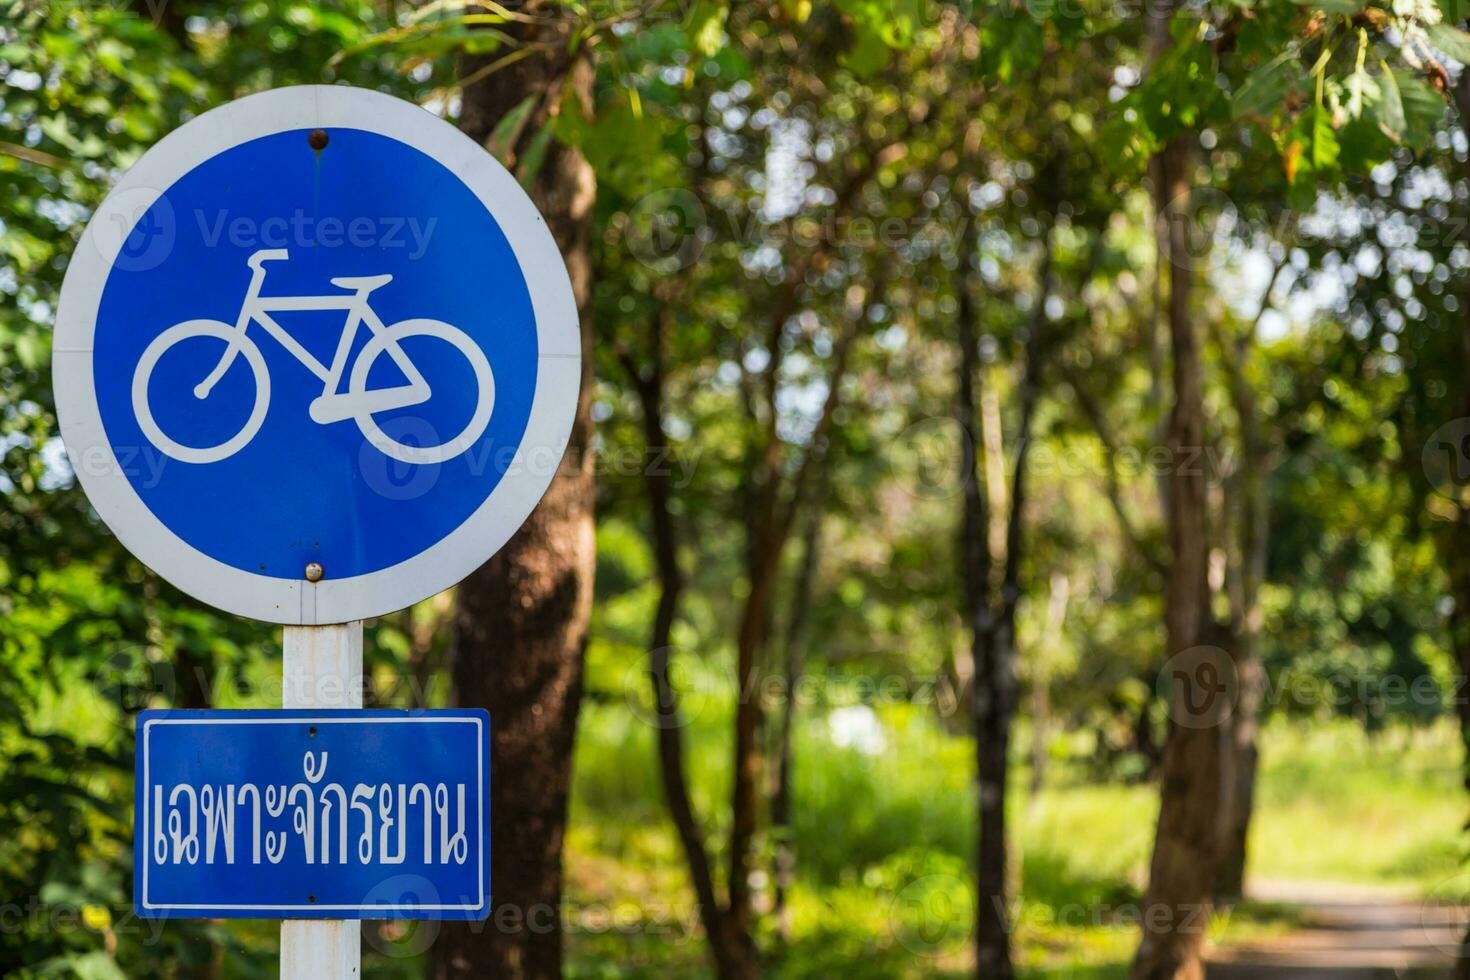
{"x": 317, "y": 356}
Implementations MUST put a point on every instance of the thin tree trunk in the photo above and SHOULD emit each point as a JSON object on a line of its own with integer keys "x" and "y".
{"x": 1056, "y": 616}
{"x": 193, "y": 679}
{"x": 993, "y": 459}
{"x": 725, "y": 951}
{"x": 1252, "y": 539}
{"x": 784, "y": 850}
{"x": 1244, "y": 724}
{"x": 770, "y": 521}
{"x": 992, "y": 943}
{"x": 1455, "y": 555}
{"x": 761, "y": 572}
{"x": 992, "y": 620}
{"x": 1182, "y": 872}
{"x": 1455, "y": 541}
{"x": 522, "y": 622}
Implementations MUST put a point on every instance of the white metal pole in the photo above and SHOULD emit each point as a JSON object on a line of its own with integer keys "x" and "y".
{"x": 322, "y": 668}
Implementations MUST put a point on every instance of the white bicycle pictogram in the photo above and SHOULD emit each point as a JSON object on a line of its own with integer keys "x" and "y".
{"x": 332, "y": 405}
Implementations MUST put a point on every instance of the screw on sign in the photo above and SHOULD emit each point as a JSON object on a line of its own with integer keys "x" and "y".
{"x": 285, "y": 307}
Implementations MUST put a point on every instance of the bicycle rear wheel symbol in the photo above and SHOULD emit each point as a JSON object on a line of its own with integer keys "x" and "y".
{"x": 357, "y": 402}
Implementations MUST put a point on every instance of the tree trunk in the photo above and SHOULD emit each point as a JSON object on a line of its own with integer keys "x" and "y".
{"x": 1056, "y": 616}
{"x": 725, "y": 951}
{"x": 1455, "y": 553}
{"x": 193, "y": 679}
{"x": 1455, "y": 543}
{"x": 1244, "y": 724}
{"x": 755, "y": 621}
{"x": 522, "y": 622}
{"x": 993, "y": 623}
{"x": 784, "y": 850}
{"x": 1182, "y": 872}
{"x": 774, "y": 506}
{"x": 992, "y": 929}
{"x": 992, "y": 946}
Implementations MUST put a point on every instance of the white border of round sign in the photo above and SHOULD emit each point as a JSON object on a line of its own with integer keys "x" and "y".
{"x": 445, "y": 563}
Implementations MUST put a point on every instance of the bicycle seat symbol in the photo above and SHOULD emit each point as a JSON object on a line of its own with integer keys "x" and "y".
{"x": 357, "y": 402}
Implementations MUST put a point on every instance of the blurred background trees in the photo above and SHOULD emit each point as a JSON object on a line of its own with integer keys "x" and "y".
{"x": 954, "y": 370}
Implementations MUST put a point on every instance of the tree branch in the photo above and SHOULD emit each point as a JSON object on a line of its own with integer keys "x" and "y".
{"x": 1098, "y": 420}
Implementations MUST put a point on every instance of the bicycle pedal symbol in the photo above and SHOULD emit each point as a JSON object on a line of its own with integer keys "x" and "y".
{"x": 357, "y": 402}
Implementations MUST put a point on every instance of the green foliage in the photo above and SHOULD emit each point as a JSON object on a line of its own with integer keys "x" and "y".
{"x": 772, "y": 178}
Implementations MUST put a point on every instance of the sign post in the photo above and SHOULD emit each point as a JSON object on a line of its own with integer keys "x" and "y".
{"x": 316, "y": 359}
{"x": 321, "y": 667}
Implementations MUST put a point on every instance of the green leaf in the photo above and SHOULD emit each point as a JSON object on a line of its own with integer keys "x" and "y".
{"x": 534, "y": 156}
{"x": 705, "y": 26}
{"x": 1265, "y": 87}
{"x": 1423, "y": 109}
{"x": 1011, "y": 47}
{"x": 1451, "y": 40}
{"x": 1454, "y": 10}
{"x": 1345, "y": 7}
{"x": 868, "y": 54}
{"x": 504, "y": 134}
{"x": 796, "y": 11}
{"x": 95, "y": 965}
{"x": 1390, "y": 107}
{"x": 1325, "y": 147}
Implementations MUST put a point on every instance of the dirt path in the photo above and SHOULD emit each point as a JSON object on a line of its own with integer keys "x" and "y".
{"x": 1351, "y": 933}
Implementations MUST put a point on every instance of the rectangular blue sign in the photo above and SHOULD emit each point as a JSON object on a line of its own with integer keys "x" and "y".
{"x": 312, "y": 814}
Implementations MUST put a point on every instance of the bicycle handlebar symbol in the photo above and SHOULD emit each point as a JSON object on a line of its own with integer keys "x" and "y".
{"x": 333, "y": 405}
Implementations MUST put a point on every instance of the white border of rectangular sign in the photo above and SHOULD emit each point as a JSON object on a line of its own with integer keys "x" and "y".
{"x": 323, "y": 720}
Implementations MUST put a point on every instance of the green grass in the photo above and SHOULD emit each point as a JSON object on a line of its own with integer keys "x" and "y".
{"x": 1336, "y": 805}
{"x": 884, "y": 845}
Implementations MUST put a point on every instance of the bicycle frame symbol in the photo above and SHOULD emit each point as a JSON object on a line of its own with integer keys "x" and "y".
{"x": 357, "y": 402}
